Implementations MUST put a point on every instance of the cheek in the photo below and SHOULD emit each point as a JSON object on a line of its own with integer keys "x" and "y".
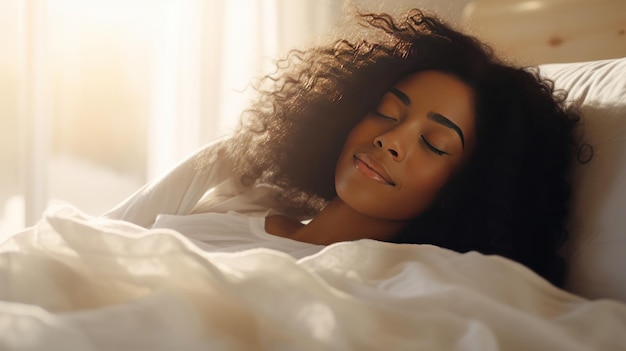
{"x": 406, "y": 202}
{"x": 423, "y": 177}
{"x": 420, "y": 189}
{"x": 343, "y": 168}
{"x": 362, "y": 132}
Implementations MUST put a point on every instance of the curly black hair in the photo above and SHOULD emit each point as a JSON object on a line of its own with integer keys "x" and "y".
{"x": 511, "y": 198}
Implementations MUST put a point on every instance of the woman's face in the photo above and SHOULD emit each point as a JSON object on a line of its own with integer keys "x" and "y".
{"x": 397, "y": 159}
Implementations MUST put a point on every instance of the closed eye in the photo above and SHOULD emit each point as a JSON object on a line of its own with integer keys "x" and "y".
{"x": 385, "y": 116}
{"x": 433, "y": 148}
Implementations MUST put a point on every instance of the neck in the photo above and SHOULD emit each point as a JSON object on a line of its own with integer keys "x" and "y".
{"x": 339, "y": 222}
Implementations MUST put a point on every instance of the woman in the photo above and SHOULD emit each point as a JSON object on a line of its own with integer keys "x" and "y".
{"x": 414, "y": 133}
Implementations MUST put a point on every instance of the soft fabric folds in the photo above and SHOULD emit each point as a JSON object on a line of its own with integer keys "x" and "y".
{"x": 75, "y": 282}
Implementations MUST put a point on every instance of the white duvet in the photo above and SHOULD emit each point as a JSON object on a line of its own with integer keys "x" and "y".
{"x": 75, "y": 282}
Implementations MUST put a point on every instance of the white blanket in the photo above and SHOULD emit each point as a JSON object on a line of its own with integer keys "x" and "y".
{"x": 75, "y": 282}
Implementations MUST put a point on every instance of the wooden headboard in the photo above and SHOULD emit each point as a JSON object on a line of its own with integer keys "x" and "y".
{"x": 550, "y": 31}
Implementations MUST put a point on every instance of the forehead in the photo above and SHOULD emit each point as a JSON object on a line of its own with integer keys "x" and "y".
{"x": 435, "y": 84}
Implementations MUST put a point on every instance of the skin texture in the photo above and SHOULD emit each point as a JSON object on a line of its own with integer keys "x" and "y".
{"x": 510, "y": 198}
{"x": 397, "y": 159}
{"x": 394, "y": 161}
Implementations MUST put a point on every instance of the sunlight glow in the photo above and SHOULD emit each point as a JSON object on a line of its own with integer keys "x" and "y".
{"x": 533, "y": 5}
{"x": 127, "y": 86}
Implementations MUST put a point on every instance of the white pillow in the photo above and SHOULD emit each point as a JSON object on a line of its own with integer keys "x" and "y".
{"x": 596, "y": 250}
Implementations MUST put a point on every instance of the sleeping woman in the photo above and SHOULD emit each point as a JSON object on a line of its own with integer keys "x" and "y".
{"x": 405, "y": 131}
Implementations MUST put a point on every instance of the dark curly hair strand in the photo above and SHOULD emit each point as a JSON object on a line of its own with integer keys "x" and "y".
{"x": 511, "y": 198}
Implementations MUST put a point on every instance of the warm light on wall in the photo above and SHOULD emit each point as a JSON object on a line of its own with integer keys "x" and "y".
{"x": 544, "y": 31}
{"x": 98, "y": 97}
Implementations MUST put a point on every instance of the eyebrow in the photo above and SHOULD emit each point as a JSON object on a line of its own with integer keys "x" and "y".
{"x": 433, "y": 116}
{"x": 400, "y": 95}
{"x": 443, "y": 120}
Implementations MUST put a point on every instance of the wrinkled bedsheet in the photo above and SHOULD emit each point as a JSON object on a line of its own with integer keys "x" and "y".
{"x": 77, "y": 282}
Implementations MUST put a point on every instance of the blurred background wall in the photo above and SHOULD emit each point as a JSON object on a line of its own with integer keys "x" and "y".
{"x": 97, "y": 97}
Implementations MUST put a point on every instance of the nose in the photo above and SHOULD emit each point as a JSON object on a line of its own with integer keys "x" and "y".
{"x": 386, "y": 143}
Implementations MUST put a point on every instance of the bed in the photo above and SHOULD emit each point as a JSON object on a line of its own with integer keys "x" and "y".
{"x": 76, "y": 281}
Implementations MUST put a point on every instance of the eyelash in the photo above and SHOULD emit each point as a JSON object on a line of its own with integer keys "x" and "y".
{"x": 385, "y": 116}
{"x": 430, "y": 146}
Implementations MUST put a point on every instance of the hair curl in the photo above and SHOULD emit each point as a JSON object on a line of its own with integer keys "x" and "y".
{"x": 511, "y": 198}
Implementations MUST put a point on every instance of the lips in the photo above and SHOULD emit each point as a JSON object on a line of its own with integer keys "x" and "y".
{"x": 371, "y": 169}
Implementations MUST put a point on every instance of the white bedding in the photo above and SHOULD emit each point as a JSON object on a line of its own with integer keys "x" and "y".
{"x": 101, "y": 284}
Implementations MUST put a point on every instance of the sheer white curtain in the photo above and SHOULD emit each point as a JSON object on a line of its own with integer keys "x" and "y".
{"x": 97, "y": 97}
{"x": 208, "y": 53}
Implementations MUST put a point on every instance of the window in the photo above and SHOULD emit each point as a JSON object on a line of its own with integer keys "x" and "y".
{"x": 98, "y": 97}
